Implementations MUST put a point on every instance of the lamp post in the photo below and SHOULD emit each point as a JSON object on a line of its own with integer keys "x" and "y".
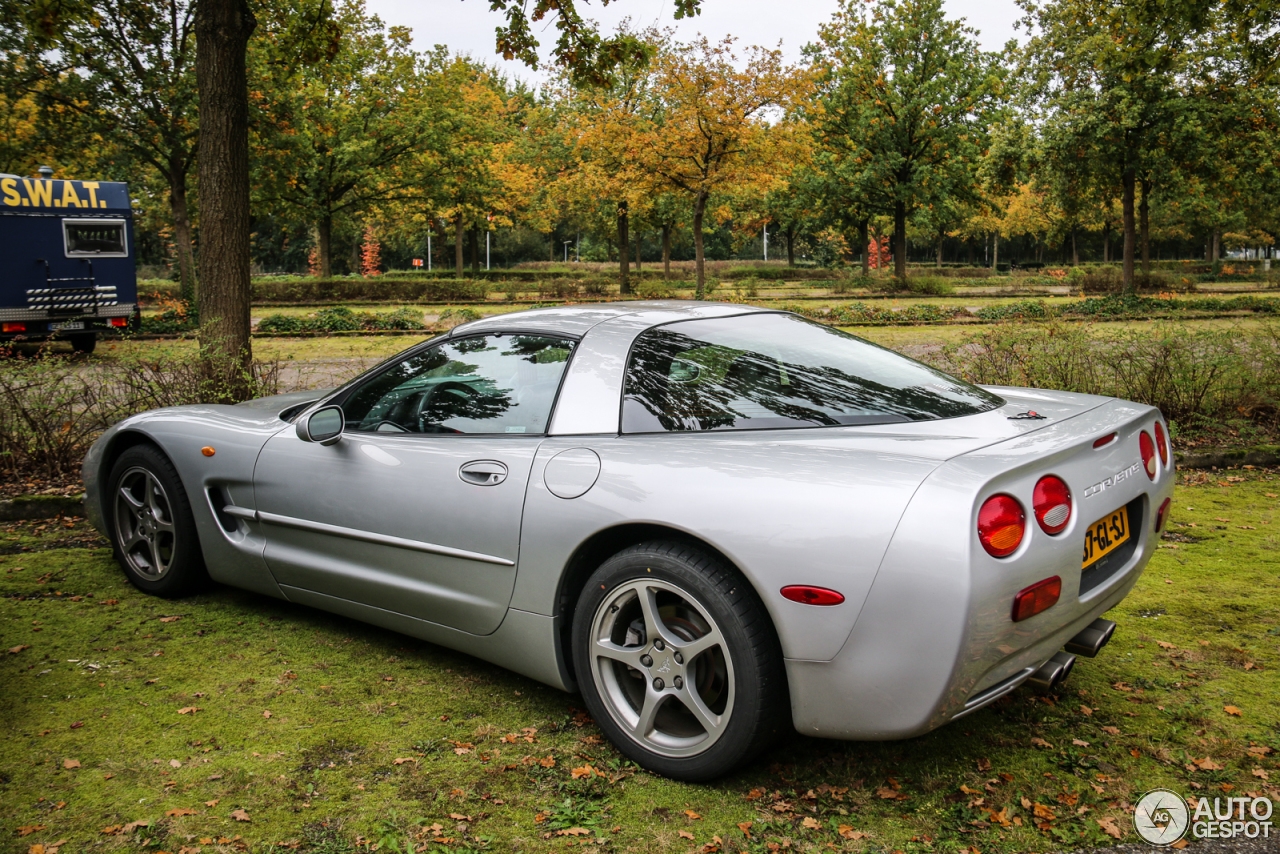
{"x": 566, "y": 250}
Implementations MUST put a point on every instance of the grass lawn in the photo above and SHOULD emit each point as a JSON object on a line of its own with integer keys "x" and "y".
{"x": 235, "y": 722}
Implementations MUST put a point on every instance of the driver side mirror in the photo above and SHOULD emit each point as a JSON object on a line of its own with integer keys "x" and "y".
{"x": 324, "y": 426}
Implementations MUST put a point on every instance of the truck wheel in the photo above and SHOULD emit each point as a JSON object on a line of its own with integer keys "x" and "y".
{"x": 83, "y": 343}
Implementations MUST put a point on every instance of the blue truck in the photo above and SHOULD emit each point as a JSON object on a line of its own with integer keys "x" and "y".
{"x": 66, "y": 260}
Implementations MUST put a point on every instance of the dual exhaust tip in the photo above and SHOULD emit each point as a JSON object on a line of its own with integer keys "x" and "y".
{"x": 1088, "y": 643}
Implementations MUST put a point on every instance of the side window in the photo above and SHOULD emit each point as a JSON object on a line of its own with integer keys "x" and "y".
{"x": 483, "y": 384}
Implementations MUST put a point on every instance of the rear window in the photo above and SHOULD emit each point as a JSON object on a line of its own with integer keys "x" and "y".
{"x": 766, "y": 371}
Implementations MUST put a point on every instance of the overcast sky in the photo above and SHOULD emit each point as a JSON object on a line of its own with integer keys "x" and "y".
{"x": 467, "y": 26}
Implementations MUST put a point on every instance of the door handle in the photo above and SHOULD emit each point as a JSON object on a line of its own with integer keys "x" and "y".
{"x": 483, "y": 472}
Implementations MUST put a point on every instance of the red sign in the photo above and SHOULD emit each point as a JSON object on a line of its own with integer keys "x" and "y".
{"x": 417, "y": 262}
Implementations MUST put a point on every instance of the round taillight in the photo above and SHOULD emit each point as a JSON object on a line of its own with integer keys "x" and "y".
{"x": 1051, "y": 502}
{"x": 1148, "y": 450}
{"x": 1162, "y": 444}
{"x": 1001, "y": 524}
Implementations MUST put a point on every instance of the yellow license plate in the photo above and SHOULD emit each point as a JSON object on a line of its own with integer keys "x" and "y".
{"x": 1105, "y": 536}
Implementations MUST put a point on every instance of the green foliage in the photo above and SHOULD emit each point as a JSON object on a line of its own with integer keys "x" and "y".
{"x": 341, "y": 319}
{"x": 930, "y": 285}
{"x": 455, "y": 316}
{"x": 656, "y": 290}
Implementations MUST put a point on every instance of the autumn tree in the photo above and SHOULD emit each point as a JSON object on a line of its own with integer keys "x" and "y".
{"x": 912, "y": 93}
{"x": 715, "y": 129}
{"x": 336, "y": 137}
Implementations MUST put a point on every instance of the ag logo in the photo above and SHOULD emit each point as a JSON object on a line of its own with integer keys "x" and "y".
{"x": 1161, "y": 817}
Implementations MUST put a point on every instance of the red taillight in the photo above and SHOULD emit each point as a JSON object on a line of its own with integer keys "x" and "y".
{"x": 1162, "y": 515}
{"x": 1105, "y": 440}
{"x": 807, "y": 595}
{"x": 1162, "y": 444}
{"x": 13, "y": 327}
{"x": 1001, "y": 523}
{"x": 1051, "y": 502}
{"x": 1040, "y": 596}
{"x": 119, "y": 322}
{"x": 1148, "y": 451}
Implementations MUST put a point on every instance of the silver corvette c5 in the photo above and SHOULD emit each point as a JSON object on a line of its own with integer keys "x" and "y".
{"x": 704, "y": 517}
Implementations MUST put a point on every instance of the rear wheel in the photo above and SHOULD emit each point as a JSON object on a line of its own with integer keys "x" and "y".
{"x": 152, "y": 530}
{"x": 83, "y": 343}
{"x": 678, "y": 662}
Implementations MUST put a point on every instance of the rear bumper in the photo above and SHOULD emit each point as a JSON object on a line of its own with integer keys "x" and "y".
{"x": 935, "y": 640}
{"x": 38, "y": 325}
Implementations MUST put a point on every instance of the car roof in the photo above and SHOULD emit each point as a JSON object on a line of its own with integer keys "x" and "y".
{"x": 576, "y": 320}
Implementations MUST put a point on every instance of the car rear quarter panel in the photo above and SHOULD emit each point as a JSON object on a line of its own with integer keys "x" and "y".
{"x": 936, "y": 629}
{"x": 786, "y": 507}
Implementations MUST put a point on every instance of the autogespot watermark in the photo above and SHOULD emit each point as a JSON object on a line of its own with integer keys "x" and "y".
{"x": 1162, "y": 817}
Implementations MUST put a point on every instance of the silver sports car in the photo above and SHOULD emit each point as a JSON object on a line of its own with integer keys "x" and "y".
{"x": 707, "y": 518}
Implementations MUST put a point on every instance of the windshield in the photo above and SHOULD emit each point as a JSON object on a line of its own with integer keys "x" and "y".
{"x": 763, "y": 371}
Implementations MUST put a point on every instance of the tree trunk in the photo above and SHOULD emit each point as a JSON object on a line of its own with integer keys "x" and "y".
{"x": 637, "y": 250}
{"x": 458, "y": 266}
{"x": 324, "y": 246}
{"x": 223, "y": 28}
{"x": 791, "y": 246}
{"x": 624, "y": 249}
{"x": 1144, "y": 210}
{"x": 1217, "y": 245}
{"x": 1075, "y": 249}
{"x": 1129, "y": 178}
{"x": 473, "y": 238}
{"x": 941, "y": 236}
{"x": 182, "y": 233}
{"x": 900, "y": 242}
{"x": 995, "y": 250}
{"x": 666, "y": 251}
{"x": 1106, "y": 241}
{"x": 699, "y": 208}
{"x": 865, "y": 239}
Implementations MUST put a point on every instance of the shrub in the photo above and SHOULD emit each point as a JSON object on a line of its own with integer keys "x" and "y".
{"x": 932, "y": 285}
{"x": 656, "y": 290}
{"x": 456, "y": 316}
{"x": 53, "y": 407}
{"x": 1189, "y": 373}
{"x": 341, "y": 319}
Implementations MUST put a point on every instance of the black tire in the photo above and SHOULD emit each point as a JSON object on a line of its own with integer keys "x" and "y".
{"x": 643, "y": 690}
{"x": 153, "y": 533}
{"x": 83, "y": 343}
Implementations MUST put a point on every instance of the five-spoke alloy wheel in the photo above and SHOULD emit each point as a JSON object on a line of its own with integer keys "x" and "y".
{"x": 677, "y": 660}
{"x": 152, "y": 528}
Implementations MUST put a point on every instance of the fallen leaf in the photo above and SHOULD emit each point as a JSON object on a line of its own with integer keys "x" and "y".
{"x": 14, "y": 650}
{"x": 134, "y": 825}
{"x": 848, "y": 832}
{"x": 240, "y": 815}
{"x": 457, "y": 816}
{"x": 1165, "y": 645}
{"x": 173, "y": 763}
{"x": 1206, "y": 764}
{"x": 403, "y": 760}
{"x": 170, "y": 619}
{"x": 1109, "y": 827}
{"x": 693, "y": 816}
{"x": 1042, "y": 812}
{"x": 582, "y": 831}
{"x": 1078, "y": 743}
{"x": 984, "y": 765}
{"x": 1039, "y": 742}
{"x": 745, "y": 827}
{"x": 1260, "y": 773}
{"x": 1085, "y": 710}
{"x": 1179, "y": 845}
{"x": 189, "y": 710}
{"x": 266, "y": 714}
{"x": 1259, "y": 750}
{"x": 582, "y": 771}
{"x": 70, "y": 763}
{"x": 811, "y": 823}
{"x": 684, "y": 834}
{"x": 180, "y": 811}
{"x": 1110, "y": 730}
{"x": 28, "y": 829}
{"x": 212, "y": 803}
{"x": 1231, "y": 710}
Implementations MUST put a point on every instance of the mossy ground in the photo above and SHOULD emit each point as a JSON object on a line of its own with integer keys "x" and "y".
{"x": 332, "y": 736}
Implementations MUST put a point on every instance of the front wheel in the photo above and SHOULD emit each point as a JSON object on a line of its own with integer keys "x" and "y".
{"x": 152, "y": 530}
{"x": 83, "y": 343}
{"x": 678, "y": 662}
